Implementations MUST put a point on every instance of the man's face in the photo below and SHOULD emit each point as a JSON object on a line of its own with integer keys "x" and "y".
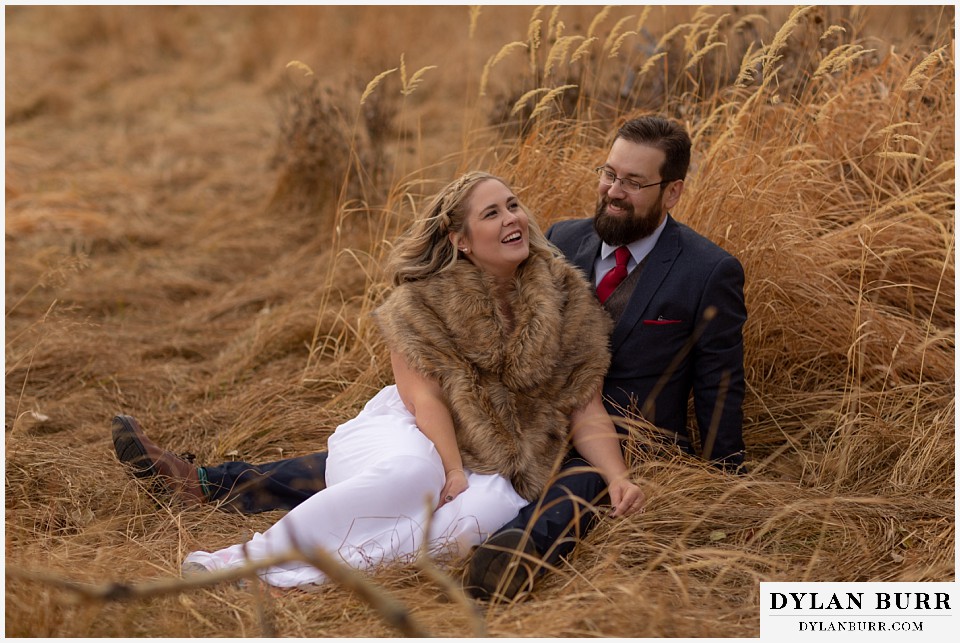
{"x": 622, "y": 217}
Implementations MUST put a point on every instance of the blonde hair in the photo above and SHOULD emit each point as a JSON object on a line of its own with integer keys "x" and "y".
{"x": 425, "y": 248}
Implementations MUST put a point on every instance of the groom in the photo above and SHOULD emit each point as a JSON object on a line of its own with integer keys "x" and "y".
{"x": 677, "y": 302}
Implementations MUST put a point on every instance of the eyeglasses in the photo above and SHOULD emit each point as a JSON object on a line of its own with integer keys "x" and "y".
{"x": 608, "y": 177}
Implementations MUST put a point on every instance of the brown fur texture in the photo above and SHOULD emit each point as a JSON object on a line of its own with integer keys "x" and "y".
{"x": 510, "y": 392}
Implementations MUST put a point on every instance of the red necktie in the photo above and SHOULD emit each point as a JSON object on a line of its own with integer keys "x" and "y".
{"x": 615, "y": 275}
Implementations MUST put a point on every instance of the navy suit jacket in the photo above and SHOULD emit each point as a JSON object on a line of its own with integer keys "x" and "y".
{"x": 667, "y": 344}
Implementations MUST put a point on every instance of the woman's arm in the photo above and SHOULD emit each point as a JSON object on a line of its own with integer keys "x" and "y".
{"x": 596, "y": 439}
{"x": 423, "y": 398}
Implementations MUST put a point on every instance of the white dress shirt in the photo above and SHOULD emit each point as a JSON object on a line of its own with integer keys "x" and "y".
{"x": 639, "y": 250}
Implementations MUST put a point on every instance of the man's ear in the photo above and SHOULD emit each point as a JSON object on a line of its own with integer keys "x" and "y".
{"x": 672, "y": 194}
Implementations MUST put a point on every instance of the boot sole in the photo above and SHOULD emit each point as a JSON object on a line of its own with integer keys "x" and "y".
{"x": 498, "y": 569}
{"x": 130, "y": 450}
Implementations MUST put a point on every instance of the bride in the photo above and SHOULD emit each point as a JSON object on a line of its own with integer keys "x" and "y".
{"x": 498, "y": 350}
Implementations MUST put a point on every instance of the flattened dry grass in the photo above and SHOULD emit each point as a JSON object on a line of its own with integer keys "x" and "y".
{"x": 172, "y": 254}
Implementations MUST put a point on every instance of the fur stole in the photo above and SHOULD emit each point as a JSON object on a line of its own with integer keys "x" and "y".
{"x": 510, "y": 393}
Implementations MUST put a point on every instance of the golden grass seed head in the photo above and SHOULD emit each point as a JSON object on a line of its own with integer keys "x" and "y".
{"x": 416, "y": 79}
{"x": 583, "y": 49}
{"x": 642, "y": 20}
{"x": 496, "y": 58}
{"x": 474, "y": 19}
{"x": 613, "y": 36}
{"x": 296, "y": 64}
{"x": 558, "y": 52}
{"x": 372, "y": 85}
{"x": 615, "y": 50}
{"x": 597, "y": 19}
{"x": 554, "y": 26}
{"x": 699, "y": 55}
{"x": 670, "y": 35}
{"x": 913, "y": 81}
{"x": 833, "y": 30}
{"x": 547, "y": 100}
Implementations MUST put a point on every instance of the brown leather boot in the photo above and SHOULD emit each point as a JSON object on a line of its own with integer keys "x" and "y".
{"x": 503, "y": 568}
{"x": 175, "y": 475}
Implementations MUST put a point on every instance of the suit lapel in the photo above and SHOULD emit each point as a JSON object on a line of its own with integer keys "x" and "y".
{"x": 586, "y": 256}
{"x": 658, "y": 265}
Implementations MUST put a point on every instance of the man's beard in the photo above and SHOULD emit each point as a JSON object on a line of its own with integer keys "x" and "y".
{"x": 627, "y": 227}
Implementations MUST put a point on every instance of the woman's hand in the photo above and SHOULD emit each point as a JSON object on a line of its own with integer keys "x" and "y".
{"x": 626, "y": 498}
{"x": 423, "y": 397}
{"x": 455, "y": 485}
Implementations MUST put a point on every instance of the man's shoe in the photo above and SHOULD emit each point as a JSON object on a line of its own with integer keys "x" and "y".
{"x": 502, "y": 567}
{"x": 147, "y": 460}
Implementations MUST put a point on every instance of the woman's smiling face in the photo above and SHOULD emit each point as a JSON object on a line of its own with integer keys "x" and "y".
{"x": 494, "y": 237}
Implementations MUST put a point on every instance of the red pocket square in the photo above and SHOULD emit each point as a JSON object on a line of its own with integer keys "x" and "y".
{"x": 661, "y": 321}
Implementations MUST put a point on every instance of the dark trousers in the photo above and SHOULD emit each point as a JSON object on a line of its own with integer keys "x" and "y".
{"x": 562, "y": 516}
{"x": 566, "y": 510}
{"x": 252, "y": 488}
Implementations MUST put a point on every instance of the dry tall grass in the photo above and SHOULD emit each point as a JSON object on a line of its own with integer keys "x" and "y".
{"x": 195, "y": 229}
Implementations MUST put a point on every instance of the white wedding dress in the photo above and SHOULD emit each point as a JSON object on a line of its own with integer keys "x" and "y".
{"x": 383, "y": 477}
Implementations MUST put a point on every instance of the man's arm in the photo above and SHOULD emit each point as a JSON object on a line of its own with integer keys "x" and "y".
{"x": 718, "y": 376}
